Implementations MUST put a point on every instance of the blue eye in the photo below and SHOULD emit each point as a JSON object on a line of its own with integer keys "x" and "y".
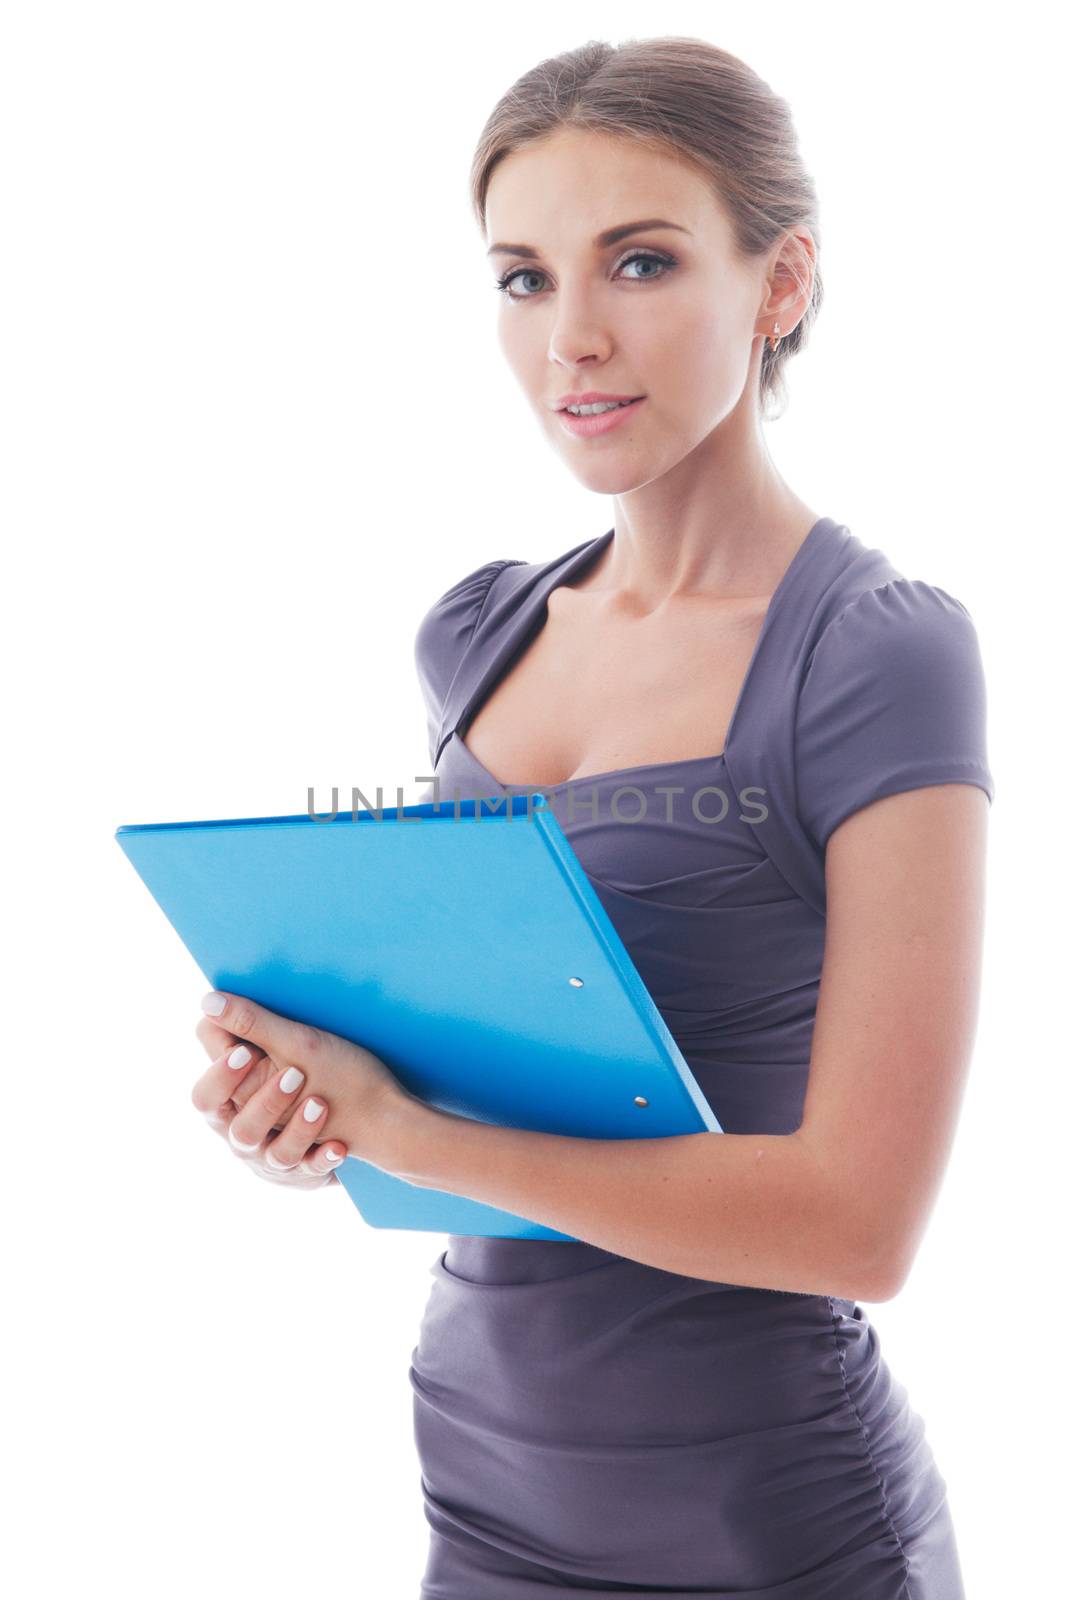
{"x": 665, "y": 261}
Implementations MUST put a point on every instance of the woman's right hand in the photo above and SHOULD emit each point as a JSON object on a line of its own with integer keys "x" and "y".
{"x": 223, "y": 1091}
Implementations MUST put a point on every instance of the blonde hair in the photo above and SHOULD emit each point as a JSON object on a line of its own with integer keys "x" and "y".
{"x": 693, "y": 101}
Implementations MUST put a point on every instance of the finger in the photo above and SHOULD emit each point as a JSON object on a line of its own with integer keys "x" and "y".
{"x": 282, "y": 1038}
{"x": 319, "y": 1159}
{"x": 221, "y": 1081}
{"x": 290, "y": 1145}
{"x": 213, "y": 1037}
{"x": 220, "y": 1117}
{"x": 218, "y": 1041}
{"x": 276, "y": 1103}
{"x": 323, "y": 1157}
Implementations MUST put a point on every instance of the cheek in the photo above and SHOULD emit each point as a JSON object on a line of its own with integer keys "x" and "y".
{"x": 694, "y": 326}
{"x": 700, "y": 358}
{"x": 522, "y": 344}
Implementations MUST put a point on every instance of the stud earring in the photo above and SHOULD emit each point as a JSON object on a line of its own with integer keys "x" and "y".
{"x": 776, "y": 338}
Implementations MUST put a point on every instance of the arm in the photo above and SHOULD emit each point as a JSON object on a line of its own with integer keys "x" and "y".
{"x": 837, "y": 1207}
{"x": 733, "y": 1208}
{"x": 898, "y": 1007}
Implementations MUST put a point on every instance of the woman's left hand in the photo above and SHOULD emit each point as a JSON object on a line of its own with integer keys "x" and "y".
{"x": 367, "y": 1102}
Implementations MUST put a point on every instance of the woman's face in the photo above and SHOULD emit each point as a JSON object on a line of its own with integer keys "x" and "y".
{"x": 668, "y": 313}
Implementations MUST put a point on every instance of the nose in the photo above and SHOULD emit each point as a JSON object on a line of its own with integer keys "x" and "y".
{"x": 578, "y": 339}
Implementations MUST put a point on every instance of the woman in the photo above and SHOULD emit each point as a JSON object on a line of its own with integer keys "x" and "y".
{"x": 767, "y": 748}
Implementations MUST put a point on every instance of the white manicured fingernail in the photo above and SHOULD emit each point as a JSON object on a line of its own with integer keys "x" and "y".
{"x": 312, "y": 1110}
{"x": 214, "y": 1004}
{"x": 272, "y": 1161}
{"x": 239, "y": 1144}
{"x": 333, "y": 1155}
{"x": 239, "y": 1057}
{"x": 291, "y": 1080}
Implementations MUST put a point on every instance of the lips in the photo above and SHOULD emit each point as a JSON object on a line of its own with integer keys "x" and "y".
{"x": 598, "y": 422}
{"x": 615, "y": 405}
{"x": 594, "y": 397}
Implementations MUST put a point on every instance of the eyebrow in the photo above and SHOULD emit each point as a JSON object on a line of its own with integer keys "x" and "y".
{"x": 610, "y": 236}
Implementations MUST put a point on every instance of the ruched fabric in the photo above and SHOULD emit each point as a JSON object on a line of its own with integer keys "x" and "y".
{"x": 588, "y": 1422}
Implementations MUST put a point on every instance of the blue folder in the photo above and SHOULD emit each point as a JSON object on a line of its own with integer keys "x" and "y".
{"x": 461, "y": 942}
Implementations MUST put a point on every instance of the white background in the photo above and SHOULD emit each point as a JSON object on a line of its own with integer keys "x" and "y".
{"x": 255, "y": 421}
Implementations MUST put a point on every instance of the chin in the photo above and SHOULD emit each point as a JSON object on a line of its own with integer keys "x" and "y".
{"x": 621, "y": 475}
{"x": 612, "y": 480}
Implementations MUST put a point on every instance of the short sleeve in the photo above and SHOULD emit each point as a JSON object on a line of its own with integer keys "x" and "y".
{"x": 444, "y": 634}
{"x": 894, "y": 698}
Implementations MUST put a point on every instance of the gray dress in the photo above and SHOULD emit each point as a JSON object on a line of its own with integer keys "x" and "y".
{"x": 587, "y": 1422}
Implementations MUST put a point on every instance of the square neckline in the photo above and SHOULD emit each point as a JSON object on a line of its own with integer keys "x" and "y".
{"x": 540, "y": 613}
{"x": 588, "y": 777}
